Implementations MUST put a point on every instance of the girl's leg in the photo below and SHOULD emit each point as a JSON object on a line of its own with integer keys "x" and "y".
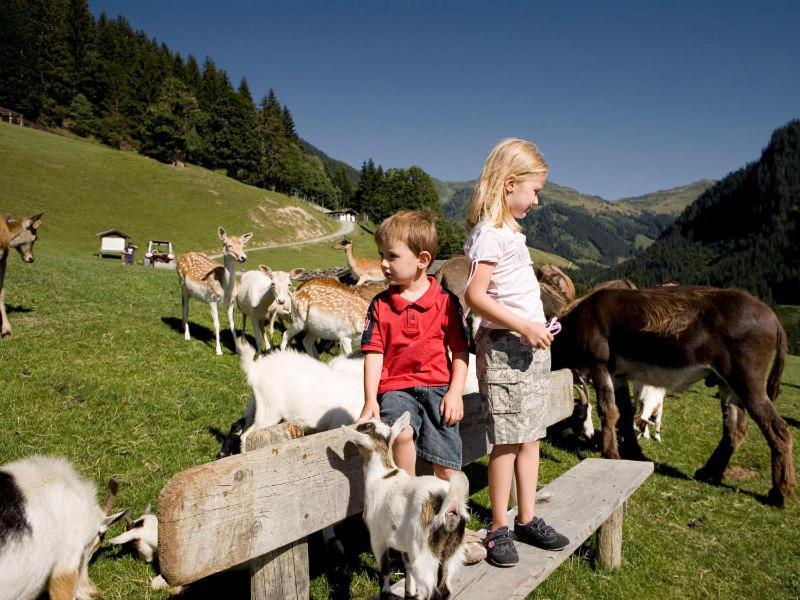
{"x": 526, "y": 469}
{"x": 501, "y": 468}
{"x": 404, "y": 451}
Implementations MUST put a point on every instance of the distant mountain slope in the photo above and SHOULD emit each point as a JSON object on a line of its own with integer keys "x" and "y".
{"x": 742, "y": 232}
{"x": 331, "y": 163}
{"x": 85, "y": 188}
{"x": 584, "y": 228}
{"x": 671, "y": 201}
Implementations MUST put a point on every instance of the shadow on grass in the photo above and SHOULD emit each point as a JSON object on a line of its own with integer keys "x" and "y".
{"x": 202, "y": 333}
{"x": 15, "y": 308}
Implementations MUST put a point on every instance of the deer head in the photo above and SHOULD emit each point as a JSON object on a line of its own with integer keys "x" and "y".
{"x": 25, "y": 232}
{"x": 234, "y": 246}
{"x": 281, "y": 281}
{"x": 343, "y": 244}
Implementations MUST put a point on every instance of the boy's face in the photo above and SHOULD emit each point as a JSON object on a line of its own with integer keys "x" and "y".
{"x": 400, "y": 265}
{"x": 523, "y": 194}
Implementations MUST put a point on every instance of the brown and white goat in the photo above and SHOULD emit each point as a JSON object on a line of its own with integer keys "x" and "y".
{"x": 212, "y": 283}
{"x": 363, "y": 269}
{"x": 20, "y": 234}
{"x": 423, "y": 518}
{"x": 325, "y": 309}
{"x": 671, "y": 337}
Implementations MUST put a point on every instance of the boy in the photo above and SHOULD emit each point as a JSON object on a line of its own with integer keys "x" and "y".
{"x": 408, "y": 331}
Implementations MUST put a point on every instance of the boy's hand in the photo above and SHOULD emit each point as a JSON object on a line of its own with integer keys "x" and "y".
{"x": 371, "y": 410}
{"x": 536, "y": 335}
{"x": 451, "y": 408}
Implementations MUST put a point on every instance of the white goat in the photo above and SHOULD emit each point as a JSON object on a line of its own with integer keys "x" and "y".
{"x": 326, "y": 309}
{"x": 424, "y": 518}
{"x": 260, "y": 296}
{"x": 650, "y": 400}
{"x": 50, "y": 528}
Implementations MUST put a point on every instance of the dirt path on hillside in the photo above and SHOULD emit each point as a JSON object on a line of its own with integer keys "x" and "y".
{"x": 345, "y": 228}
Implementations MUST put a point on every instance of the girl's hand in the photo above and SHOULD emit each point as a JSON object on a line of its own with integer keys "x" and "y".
{"x": 451, "y": 408}
{"x": 371, "y": 410}
{"x": 537, "y": 335}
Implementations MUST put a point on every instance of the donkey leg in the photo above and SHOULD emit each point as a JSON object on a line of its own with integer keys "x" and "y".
{"x": 630, "y": 442}
{"x": 215, "y": 318}
{"x": 779, "y": 439}
{"x": 734, "y": 430}
{"x": 607, "y": 407}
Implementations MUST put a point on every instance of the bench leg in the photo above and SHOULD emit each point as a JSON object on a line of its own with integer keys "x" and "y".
{"x": 283, "y": 573}
{"x": 609, "y": 540}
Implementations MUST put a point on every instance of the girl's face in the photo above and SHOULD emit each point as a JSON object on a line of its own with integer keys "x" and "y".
{"x": 523, "y": 194}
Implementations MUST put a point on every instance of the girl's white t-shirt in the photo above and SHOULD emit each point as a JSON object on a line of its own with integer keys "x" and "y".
{"x": 513, "y": 284}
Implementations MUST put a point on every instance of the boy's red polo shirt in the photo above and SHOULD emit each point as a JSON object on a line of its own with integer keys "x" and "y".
{"x": 414, "y": 336}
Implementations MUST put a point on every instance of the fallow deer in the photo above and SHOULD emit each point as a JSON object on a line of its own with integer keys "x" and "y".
{"x": 364, "y": 269}
{"x": 212, "y": 283}
{"x": 20, "y": 234}
{"x": 326, "y": 309}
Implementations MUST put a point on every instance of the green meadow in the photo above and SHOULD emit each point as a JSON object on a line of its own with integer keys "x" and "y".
{"x": 98, "y": 371}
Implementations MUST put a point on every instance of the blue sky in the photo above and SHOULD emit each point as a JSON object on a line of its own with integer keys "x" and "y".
{"x": 623, "y": 98}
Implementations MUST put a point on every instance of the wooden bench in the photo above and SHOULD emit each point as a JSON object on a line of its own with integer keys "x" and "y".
{"x": 260, "y": 506}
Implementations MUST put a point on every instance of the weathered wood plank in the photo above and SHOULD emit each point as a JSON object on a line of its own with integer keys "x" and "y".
{"x": 581, "y": 500}
{"x": 217, "y": 515}
{"x": 609, "y": 540}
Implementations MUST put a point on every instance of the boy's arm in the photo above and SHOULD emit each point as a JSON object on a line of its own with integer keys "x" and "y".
{"x": 452, "y": 407}
{"x": 486, "y": 306}
{"x": 373, "y": 365}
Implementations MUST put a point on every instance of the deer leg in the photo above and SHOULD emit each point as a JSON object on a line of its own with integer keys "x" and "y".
{"x": 659, "y": 412}
{"x": 256, "y": 334}
{"x": 215, "y": 318}
{"x": 292, "y": 331}
{"x": 263, "y": 334}
{"x": 607, "y": 407}
{"x": 734, "y": 429}
{"x": 308, "y": 344}
{"x": 622, "y": 397}
{"x": 185, "y": 308}
{"x": 233, "y": 327}
{"x": 347, "y": 345}
{"x": 5, "y": 324}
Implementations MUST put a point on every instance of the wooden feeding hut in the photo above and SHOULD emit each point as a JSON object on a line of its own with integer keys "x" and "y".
{"x": 343, "y": 214}
{"x": 113, "y": 242}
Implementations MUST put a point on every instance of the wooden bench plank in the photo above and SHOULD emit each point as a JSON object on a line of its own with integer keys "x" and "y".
{"x": 581, "y": 500}
{"x": 221, "y": 514}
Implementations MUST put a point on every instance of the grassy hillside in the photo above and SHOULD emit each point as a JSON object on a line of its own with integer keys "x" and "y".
{"x": 671, "y": 201}
{"x": 98, "y": 371}
{"x": 85, "y": 188}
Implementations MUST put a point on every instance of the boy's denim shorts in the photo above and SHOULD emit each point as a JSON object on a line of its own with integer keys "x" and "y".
{"x": 514, "y": 381}
{"x": 436, "y": 442}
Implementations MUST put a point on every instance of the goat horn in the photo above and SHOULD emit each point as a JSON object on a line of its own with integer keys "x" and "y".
{"x": 581, "y": 393}
{"x": 111, "y": 495}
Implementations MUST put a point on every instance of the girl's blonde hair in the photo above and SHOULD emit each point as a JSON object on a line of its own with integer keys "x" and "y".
{"x": 509, "y": 158}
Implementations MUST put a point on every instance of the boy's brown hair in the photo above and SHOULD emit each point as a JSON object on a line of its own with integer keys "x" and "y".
{"x": 415, "y": 228}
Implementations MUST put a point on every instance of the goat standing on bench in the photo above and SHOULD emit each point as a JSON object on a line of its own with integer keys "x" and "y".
{"x": 424, "y": 518}
{"x": 671, "y": 337}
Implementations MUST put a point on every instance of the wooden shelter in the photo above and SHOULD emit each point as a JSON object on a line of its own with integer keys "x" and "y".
{"x": 113, "y": 242}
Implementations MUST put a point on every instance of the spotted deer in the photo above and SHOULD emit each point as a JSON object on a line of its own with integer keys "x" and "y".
{"x": 364, "y": 269}
{"x": 212, "y": 283}
{"x": 326, "y": 309}
{"x": 20, "y": 234}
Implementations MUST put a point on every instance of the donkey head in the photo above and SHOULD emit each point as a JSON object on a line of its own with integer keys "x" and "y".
{"x": 234, "y": 246}
{"x": 23, "y": 234}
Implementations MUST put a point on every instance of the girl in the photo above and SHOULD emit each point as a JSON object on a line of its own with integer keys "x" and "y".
{"x": 513, "y": 344}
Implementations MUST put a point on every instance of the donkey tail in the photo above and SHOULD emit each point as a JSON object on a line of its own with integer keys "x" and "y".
{"x": 781, "y": 348}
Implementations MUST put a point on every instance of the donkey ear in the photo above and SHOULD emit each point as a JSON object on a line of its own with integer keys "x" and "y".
{"x": 358, "y": 438}
{"x": 221, "y": 233}
{"x": 265, "y": 270}
{"x": 295, "y": 273}
{"x": 246, "y": 237}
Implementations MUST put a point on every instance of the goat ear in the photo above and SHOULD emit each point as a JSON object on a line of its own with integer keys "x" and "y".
{"x": 111, "y": 519}
{"x": 246, "y": 237}
{"x": 124, "y": 538}
{"x": 221, "y": 233}
{"x": 295, "y": 273}
{"x": 398, "y": 426}
{"x": 358, "y": 438}
{"x": 265, "y": 270}
{"x": 147, "y": 510}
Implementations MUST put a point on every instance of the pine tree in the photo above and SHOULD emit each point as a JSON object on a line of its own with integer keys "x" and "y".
{"x": 169, "y": 130}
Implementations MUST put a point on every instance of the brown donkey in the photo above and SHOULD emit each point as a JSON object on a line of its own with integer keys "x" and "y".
{"x": 19, "y": 234}
{"x": 671, "y": 337}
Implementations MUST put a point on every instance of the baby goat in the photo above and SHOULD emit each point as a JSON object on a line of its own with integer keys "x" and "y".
{"x": 50, "y": 526}
{"x": 423, "y": 518}
{"x": 650, "y": 401}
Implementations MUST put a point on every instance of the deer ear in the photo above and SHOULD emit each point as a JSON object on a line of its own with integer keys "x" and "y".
{"x": 295, "y": 273}
{"x": 36, "y": 221}
{"x": 265, "y": 270}
{"x": 221, "y": 233}
{"x": 246, "y": 237}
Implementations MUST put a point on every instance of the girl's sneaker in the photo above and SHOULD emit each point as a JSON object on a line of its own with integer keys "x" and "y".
{"x": 500, "y": 550}
{"x": 538, "y": 533}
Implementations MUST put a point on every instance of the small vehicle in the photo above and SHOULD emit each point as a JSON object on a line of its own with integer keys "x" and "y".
{"x": 160, "y": 254}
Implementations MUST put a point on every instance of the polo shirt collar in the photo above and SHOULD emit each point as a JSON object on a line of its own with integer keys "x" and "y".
{"x": 424, "y": 302}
